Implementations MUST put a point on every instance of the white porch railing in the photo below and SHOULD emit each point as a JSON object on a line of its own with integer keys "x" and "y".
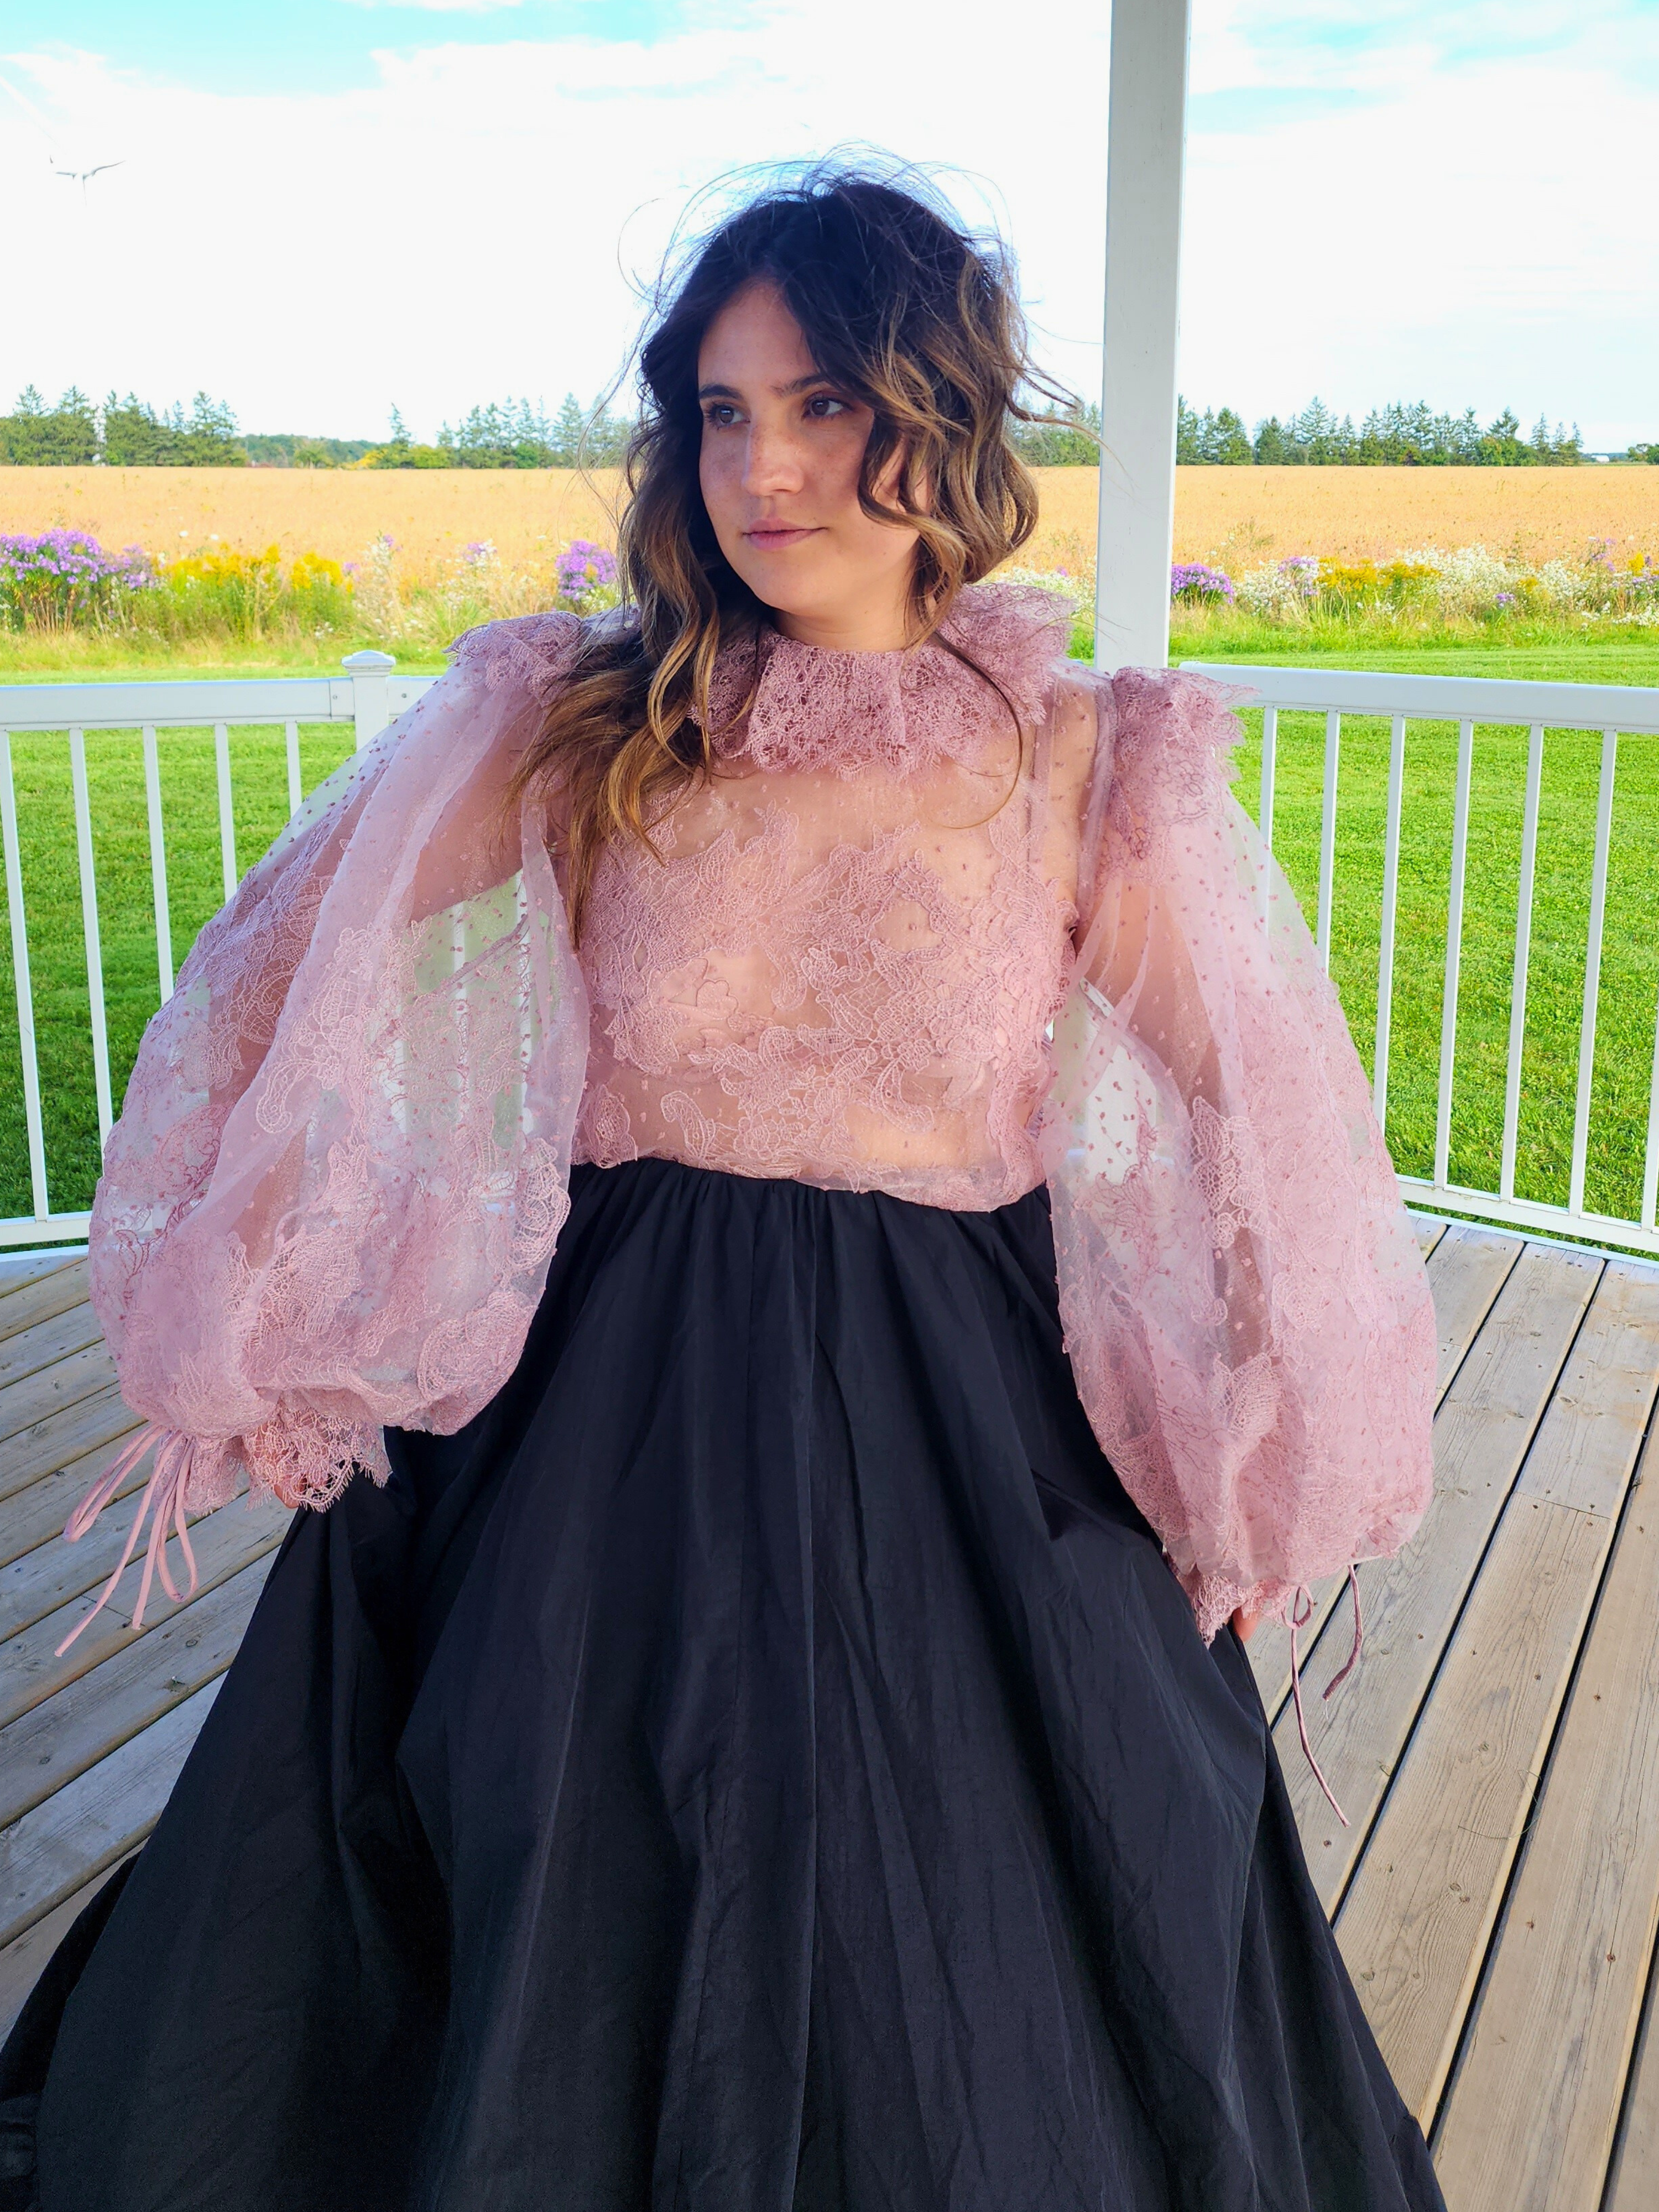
{"x": 370, "y": 694}
{"x": 367, "y": 696}
{"x": 1614, "y": 711}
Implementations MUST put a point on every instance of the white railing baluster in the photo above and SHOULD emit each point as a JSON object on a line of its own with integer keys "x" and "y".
{"x": 158, "y": 864}
{"x": 227, "y": 817}
{"x": 1385, "y": 936}
{"x": 1269, "y": 762}
{"x": 19, "y": 970}
{"x": 367, "y": 695}
{"x": 364, "y": 695}
{"x": 1523, "y": 954}
{"x": 1328, "y": 835}
{"x": 89, "y": 932}
{"x": 1651, "y": 1170}
{"x": 1581, "y": 1110}
{"x": 1454, "y": 953}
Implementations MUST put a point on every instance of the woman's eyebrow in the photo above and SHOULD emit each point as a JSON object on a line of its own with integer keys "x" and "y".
{"x": 783, "y": 390}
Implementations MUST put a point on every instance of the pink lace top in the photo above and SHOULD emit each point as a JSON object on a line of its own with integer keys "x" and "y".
{"x": 922, "y": 933}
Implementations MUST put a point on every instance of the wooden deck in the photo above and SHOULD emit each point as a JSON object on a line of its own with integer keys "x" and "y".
{"x": 1496, "y": 1893}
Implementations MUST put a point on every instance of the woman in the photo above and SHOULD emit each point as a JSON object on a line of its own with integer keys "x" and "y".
{"x": 772, "y": 1729}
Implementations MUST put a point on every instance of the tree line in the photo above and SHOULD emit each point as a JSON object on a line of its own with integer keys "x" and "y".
{"x": 518, "y": 434}
{"x": 131, "y": 434}
{"x": 1395, "y": 436}
{"x": 127, "y": 433}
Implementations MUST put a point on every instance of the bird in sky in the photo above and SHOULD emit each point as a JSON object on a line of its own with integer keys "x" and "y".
{"x": 81, "y": 176}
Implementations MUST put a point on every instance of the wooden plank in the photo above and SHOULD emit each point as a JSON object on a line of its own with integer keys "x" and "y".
{"x": 24, "y": 1403}
{"x": 1634, "y": 2180}
{"x": 95, "y": 1819}
{"x": 61, "y": 1435}
{"x": 23, "y": 1958}
{"x": 1481, "y": 1435}
{"x": 69, "y": 1731}
{"x": 47, "y": 1340}
{"x": 22, "y": 1266}
{"x": 34, "y": 1517}
{"x": 1468, "y": 1267}
{"x": 53, "y": 1291}
{"x": 1467, "y": 1270}
{"x": 30, "y": 1669}
{"x": 1528, "y": 2125}
{"x": 1416, "y": 1921}
{"x": 1430, "y": 1229}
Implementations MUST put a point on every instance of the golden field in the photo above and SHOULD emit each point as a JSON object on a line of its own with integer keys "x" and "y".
{"x": 1239, "y": 517}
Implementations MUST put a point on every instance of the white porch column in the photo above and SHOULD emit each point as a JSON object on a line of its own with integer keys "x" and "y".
{"x": 1146, "y": 132}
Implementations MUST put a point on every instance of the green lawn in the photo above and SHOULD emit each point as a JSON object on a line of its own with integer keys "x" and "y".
{"x": 1630, "y": 980}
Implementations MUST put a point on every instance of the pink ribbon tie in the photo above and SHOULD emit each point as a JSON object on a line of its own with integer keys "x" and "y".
{"x": 1301, "y": 1615}
{"x": 162, "y": 1504}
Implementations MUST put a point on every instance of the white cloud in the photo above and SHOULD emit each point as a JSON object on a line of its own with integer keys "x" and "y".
{"x": 1431, "y": 219}
{"x": 1475, "y": 231}
{"x": 461, "y": 228}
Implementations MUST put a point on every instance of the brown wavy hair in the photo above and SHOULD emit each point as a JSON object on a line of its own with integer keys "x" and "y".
{"x": 913, "y": 315}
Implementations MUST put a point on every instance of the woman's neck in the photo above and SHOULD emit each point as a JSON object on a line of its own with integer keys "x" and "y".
{"x": 881, "y": 624}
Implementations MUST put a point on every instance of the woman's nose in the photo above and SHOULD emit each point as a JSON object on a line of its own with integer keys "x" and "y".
{"x": 772, "y": 462}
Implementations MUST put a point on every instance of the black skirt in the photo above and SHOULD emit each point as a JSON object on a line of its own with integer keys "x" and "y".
{"x": 763, "y": 1763}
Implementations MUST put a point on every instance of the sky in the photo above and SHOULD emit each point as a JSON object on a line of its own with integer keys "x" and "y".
{"x": 325, "y": 208}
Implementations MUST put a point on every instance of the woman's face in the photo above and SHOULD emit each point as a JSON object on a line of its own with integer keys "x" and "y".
{"x": 781, "y": 450}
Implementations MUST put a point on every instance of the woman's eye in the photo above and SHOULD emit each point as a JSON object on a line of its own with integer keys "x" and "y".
{"x": 825, "y": 405}
{"x": 721, "y": 414}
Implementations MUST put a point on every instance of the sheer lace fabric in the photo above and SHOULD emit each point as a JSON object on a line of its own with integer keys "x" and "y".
{"x": 1245, "y": 1305}
{"x": 839, "y": 963}
{"x": 331, "y": 1199}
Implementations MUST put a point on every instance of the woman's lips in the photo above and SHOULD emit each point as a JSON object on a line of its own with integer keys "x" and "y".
{"x": 769, "y": 536}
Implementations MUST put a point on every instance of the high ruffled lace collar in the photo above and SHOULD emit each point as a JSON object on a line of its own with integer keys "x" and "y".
{"x": 816, "y": 708}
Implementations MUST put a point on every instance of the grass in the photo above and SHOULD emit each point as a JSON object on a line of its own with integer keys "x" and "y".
{"x": 1630, "y": 978}
{"x": 92, "y": 657}
{"x": 126, "y": 918}
{"x": 1630, "y": 962}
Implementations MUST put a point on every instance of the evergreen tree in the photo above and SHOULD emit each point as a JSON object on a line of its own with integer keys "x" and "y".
{"x": 1272, "y": 449}
{"x": 136, "y": 437}
{"x": 34, "y": 436}
{"x": 1058, "y": 441}
{"x": 1501, "y": 447}
{"x": 1230, "y": 440}
{"x": 566, "y": 438}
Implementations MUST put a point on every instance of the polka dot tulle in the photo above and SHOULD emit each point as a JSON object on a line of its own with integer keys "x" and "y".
{"x": 943, "y": 923}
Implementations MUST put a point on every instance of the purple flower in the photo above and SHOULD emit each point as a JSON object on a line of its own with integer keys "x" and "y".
{"x": 583, "y": 567}
{"x": 1505, "y": 599}
{"x": 64, "y": 577}
{"x": 1192, "y": 579}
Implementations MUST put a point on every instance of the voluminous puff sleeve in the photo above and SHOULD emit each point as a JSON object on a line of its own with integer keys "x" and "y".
{"x": 336, "y": 1184}
{"x": 1245, "y": 1305}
